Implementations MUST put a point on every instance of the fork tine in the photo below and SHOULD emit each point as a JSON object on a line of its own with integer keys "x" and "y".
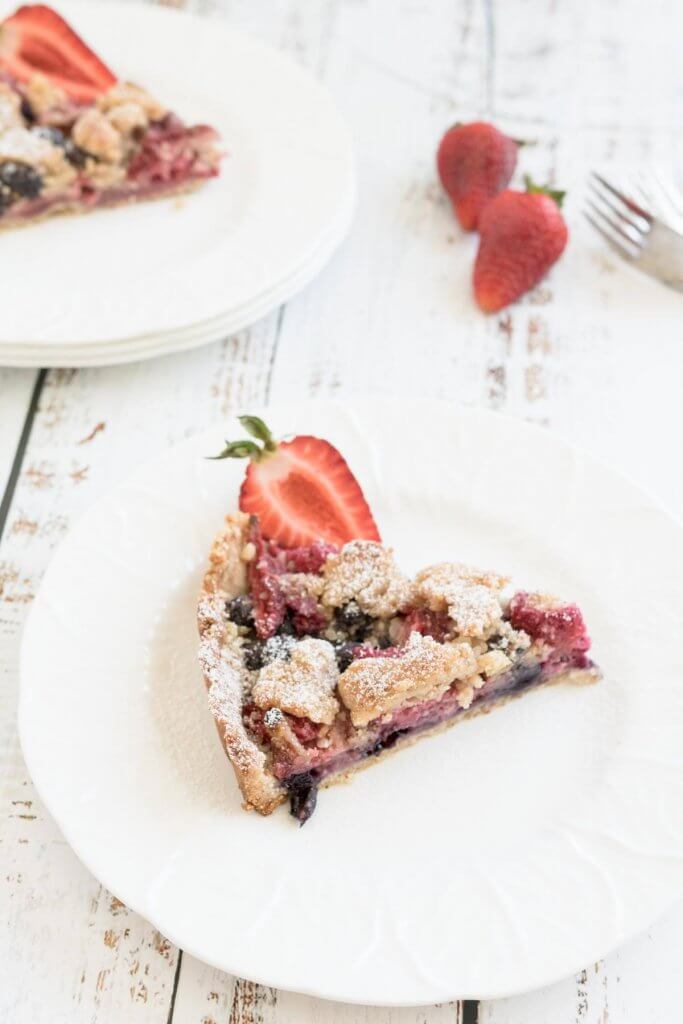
{"x": 613, "y": 223}
{"x": 622, "y": 221}
{"x": 632, "y": 206}
{"x": 615, "y": 246}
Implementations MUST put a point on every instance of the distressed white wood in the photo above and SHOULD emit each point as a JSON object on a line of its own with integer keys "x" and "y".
{"x": 15, "y": 394}
{"x": 392, "y": 313}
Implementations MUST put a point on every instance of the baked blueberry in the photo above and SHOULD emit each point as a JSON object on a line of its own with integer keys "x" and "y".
{"x": 240, "y": 610}
{"x": 22, "y": 179}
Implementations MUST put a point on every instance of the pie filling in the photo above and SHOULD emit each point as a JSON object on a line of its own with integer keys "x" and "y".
{"x": 57, "y": 155}
{"x": 345, "y": 658}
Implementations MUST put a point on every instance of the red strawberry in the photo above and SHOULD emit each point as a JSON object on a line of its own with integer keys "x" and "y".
{"x": 264, "y": 586}
{"x": 475, "y": 162}
{"x": 36, "y": 38}
{"x": 301, "y": 490}
{"x": 521, "y": 235}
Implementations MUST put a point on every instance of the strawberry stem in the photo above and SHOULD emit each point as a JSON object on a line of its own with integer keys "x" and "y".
{"x": 239, "y": 450}
{"x": 257, "y": 428}
{"x": 543, "y": 190}
{"x": 247, "y": 449}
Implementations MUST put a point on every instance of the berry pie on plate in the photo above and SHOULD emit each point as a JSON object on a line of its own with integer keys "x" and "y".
{"x": 73, "y": 137}
{"x": 490, "y": 859}
{"x": 320, "y": 655}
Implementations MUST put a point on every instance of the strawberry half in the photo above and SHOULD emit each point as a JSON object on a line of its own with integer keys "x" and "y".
{"x": 301, "y": 490}
{"x": 36, "y": 38}
{"x": 521, "y": 235}
{"x": 475, "y": 162}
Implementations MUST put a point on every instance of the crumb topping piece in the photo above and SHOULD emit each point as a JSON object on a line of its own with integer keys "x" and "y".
{"x": 126, "y": 92}
{"x": 303, "y": 685}
{"x": 94, "y": 133}
{"x": 43, "y": 95}
{"x": 425, "y": 669}
{"x": 470, "y": 597}
{"x": 365, "y": 572}
{"x": 10, "y": 108}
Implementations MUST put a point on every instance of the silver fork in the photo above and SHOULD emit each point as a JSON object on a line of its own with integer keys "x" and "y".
{"x": 634, "y": 231}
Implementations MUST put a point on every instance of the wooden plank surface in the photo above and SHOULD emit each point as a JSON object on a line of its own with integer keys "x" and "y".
{"x": 392, "y": 314}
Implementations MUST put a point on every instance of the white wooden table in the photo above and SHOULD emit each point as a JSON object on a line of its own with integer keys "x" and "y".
{"x": 593, "y": 353}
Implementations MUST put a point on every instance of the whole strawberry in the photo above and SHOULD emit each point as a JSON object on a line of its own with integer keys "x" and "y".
{"x": 475, "y": 162}
{"x": 521, "y": 235}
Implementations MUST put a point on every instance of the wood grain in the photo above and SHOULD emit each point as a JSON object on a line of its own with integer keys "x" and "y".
{"x": 590, "y": 84}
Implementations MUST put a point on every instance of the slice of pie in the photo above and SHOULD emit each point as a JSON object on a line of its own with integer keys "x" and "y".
{"x": 73, "y": 137}
{"x": 322, "y": 656}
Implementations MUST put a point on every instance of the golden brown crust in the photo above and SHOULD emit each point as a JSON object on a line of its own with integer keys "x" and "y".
{"x": 576, "y": 677}
{"x": 225, "y": 675}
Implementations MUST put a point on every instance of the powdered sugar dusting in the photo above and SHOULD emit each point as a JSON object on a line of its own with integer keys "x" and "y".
{"x": 469, "y": 596}
{"x": 365, "y": 572}
{"x": 304, "y": 685}
{"x": 373, "y": 686}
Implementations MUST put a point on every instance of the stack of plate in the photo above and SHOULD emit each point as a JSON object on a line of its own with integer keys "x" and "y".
{"x": 135, "y": 282}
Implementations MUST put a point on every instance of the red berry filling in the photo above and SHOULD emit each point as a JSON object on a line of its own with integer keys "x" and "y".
{"x": 170, "y": 151}
{"x": 270, "y": 601}
{"x": 562, "y": 627}
{"x": 434, "y": 624}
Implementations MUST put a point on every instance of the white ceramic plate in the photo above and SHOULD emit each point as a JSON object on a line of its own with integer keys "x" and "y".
{"x": 161, "y": 266}
{"x": 149, "y": 346}
{"x": 497, "y": 857}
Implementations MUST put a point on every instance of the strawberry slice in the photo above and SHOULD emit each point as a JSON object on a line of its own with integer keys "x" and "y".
{"x": 301, "y": 490}
{"x": 36, "y": 38}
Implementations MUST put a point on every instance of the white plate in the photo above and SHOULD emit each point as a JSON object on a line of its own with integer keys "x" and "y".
{"x": 171, "y": 264}
{"x": 149, "y": 346}
{"x": 497, "y": 857}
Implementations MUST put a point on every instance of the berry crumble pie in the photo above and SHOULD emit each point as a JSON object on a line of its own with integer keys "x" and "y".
{"x": 73, "y": 137}
{"x": 319, "y": 657}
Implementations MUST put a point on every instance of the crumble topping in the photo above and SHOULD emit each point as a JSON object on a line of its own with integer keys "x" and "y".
{"x": 509, "y": 640}
{"x": 10, "y": 108}
{"x": 43, "y": 95}
{"x": 424, "y": 668}
{"x": 94, "y": 133}
{"x": 297, "y": 584}
{"x": 304, "y": 685}
{"x": 492, "y": 663}
{"x": 469, "y": 596}
{"x": 365, "y": 572}
{"x": 125, "y": 92}
{"x": 127, "y": 117}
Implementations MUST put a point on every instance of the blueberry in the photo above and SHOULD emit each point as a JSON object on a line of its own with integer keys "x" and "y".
{"x": 22, "y": 179}
{"x": 278, "y": 648}
{"x": 27, "y": 110}
{"x": 240, "y": 610}
{"x": 352, "y": 621}
{"x": 253, "y": 655}
{"x": 54, "y": 135}
{"x": 74, "y": 154}
{"x": 345, "y": 654}
{"x": 303, "y": 794}
{"x": 287, "y": 627}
